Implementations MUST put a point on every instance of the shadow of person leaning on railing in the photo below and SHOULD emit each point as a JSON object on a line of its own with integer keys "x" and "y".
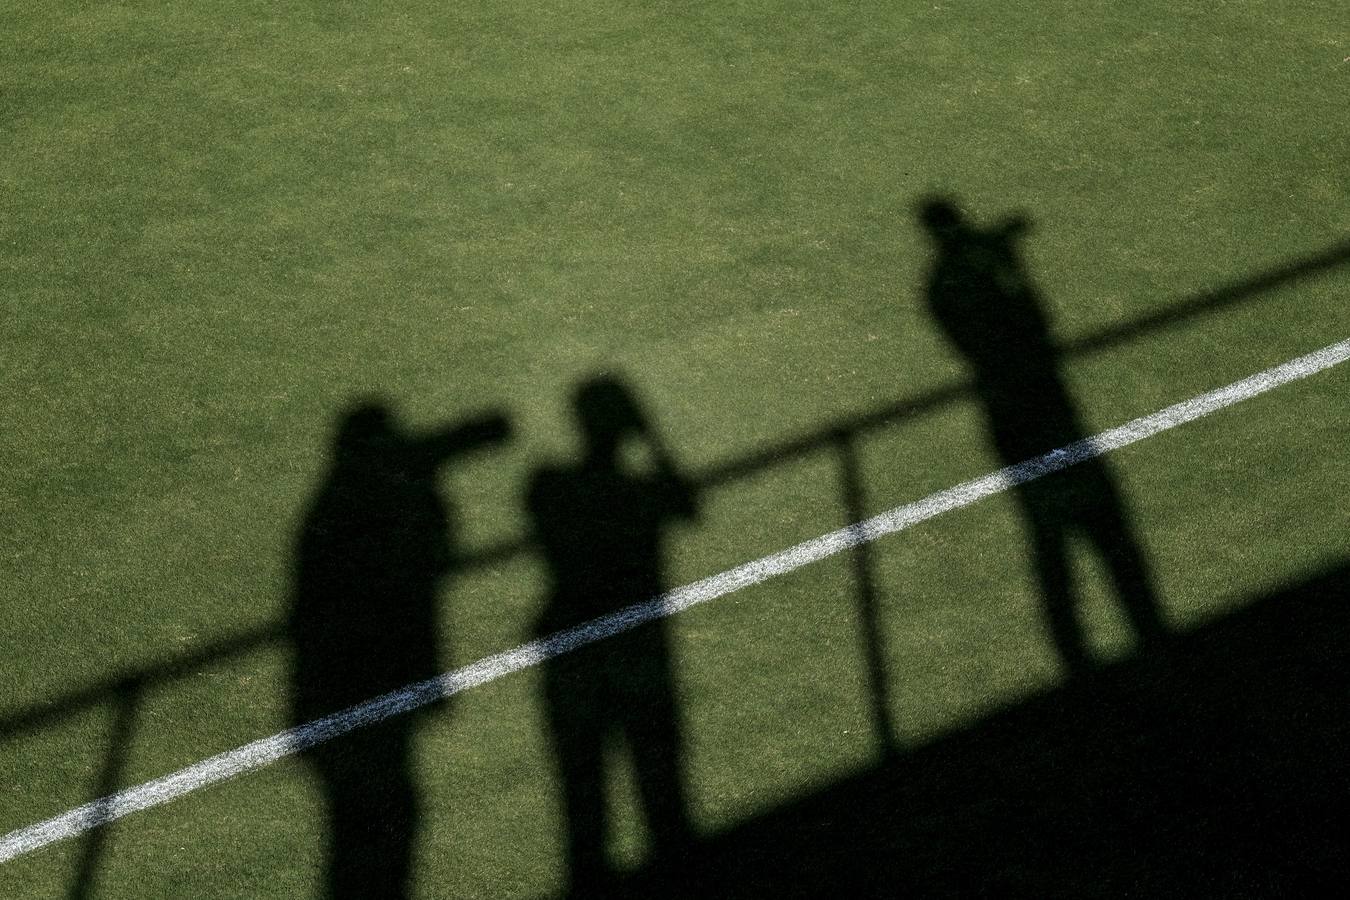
{"x": 981, "y": 296}
{"x": 375, "y": 548}
{"x": 601, "y": 524}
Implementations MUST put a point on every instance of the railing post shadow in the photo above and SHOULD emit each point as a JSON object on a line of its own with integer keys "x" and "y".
{"x": 128, "y": 696}
{"x": 864, "y": 580}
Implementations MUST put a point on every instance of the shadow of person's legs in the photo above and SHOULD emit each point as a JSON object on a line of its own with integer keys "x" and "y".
{"x": 653, "y": 732}
{"x": 1050, "y": 558}
{"x": 579, "y": 732}
{"x": 1129, "y": 571}
{"x": 373, "y": 812}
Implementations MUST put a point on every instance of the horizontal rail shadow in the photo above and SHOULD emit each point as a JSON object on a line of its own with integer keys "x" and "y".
{"x": 719, "y": 474}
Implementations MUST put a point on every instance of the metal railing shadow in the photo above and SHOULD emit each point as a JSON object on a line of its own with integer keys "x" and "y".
{"x": 840, "y": 439}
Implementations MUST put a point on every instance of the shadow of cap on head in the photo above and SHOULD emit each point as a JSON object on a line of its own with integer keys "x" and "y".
{"x": 365, "y": 427}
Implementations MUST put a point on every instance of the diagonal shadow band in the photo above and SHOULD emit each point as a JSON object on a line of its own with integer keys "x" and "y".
{"x": 1215, "y": 770}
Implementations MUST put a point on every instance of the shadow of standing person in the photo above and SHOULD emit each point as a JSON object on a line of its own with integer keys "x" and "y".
{"x": 600, "y": 525}
{"x": 983, "y": 299}
{"x": 373, "y": 552}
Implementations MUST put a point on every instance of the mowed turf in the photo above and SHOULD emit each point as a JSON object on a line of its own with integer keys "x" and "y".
{"x": 225, "y": 222}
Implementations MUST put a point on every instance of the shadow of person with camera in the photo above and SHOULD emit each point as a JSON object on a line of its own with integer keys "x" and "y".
{"x": 982, "y": 298}
{"x": 374, "y": 551}
{"x": 601, "y": 525}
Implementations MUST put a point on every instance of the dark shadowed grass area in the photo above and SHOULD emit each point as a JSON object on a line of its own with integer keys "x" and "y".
{"x": 1216, "y": 769}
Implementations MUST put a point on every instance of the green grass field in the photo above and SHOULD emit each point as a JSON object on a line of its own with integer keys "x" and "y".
{"x": 222, "y": 224}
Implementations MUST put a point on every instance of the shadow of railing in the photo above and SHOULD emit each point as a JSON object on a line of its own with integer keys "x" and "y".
{"x": 1217, "y": 769}
{"x": 839, "y": 438}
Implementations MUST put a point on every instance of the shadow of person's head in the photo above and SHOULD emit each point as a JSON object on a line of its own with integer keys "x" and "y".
{"x": 365, "y": 433}
{"x": 949, "y": 226}
{"x": 608, "y": 413}
{"x": 941, "y": 218}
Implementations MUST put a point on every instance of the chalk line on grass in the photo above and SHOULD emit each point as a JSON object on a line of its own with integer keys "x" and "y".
{"x": 294, "y": 740}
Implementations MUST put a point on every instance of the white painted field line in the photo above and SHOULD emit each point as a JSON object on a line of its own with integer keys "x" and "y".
{"x": 293, "y": 740}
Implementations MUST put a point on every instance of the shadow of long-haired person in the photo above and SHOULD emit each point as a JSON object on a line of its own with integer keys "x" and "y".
{"x": 375, "y": 547}
{"x": 601, "y": 524}
{"x": 981, "y": 296}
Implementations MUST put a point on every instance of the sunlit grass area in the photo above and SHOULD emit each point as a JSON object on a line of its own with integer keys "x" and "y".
{"x": 225, "y": 224}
